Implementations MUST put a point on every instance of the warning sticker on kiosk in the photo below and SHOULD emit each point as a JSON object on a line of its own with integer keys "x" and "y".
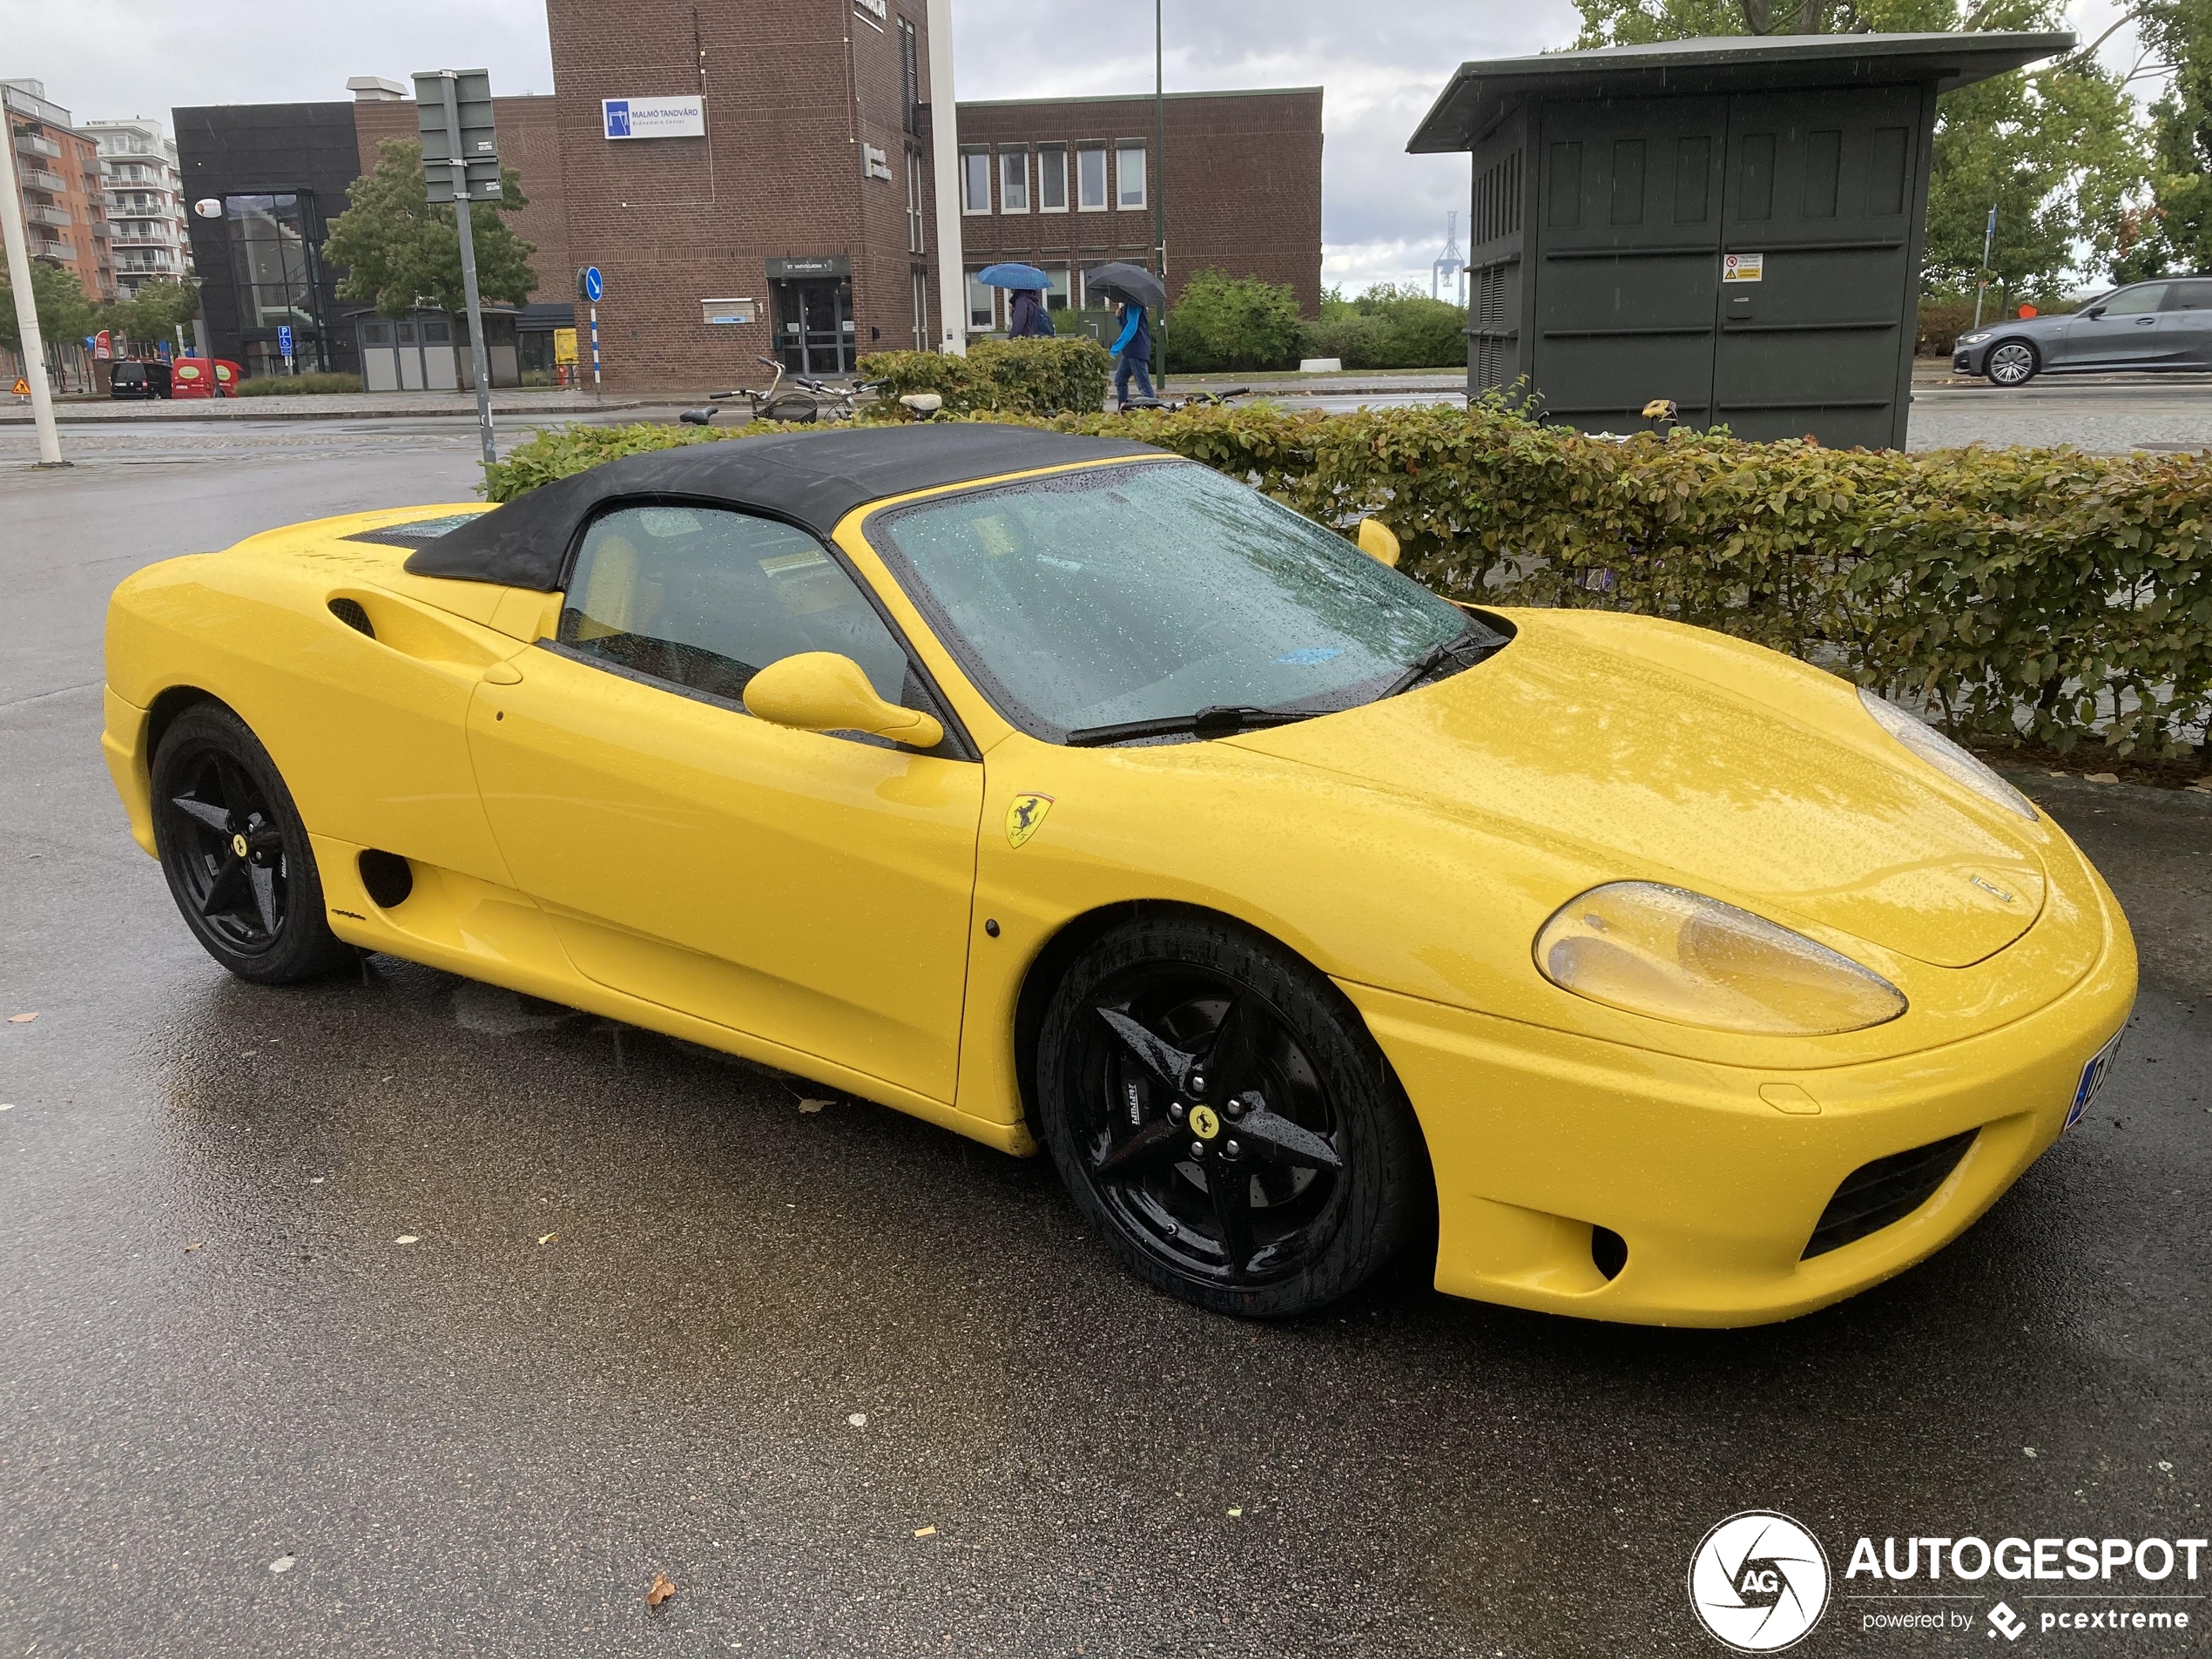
{"x": 1742, "y": 267}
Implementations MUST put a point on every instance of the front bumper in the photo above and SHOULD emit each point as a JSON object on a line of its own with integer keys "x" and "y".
{"x": 1538, "y": 1136}
{"x": 1970, "y": 360}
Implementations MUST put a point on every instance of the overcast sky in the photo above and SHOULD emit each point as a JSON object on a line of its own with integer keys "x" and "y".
{"x": 1383, "y": 211}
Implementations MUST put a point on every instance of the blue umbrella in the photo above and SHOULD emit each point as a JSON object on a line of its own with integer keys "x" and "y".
{"x": 1013, "y": 276}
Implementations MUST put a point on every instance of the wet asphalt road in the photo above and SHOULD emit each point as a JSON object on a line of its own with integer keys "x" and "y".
{"x": 214, "y": 1356}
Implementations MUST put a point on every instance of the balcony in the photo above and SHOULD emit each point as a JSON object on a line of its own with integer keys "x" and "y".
{"x": 39, "y": 178}
{"x": 36, "y": 215}
{"x": 57, "y": 248}
{"x": 31, "y": 145}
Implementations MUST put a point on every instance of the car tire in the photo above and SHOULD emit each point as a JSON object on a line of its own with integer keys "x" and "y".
{"x": 236, "y": 853}
{"x": 1269, "y": 1189}
{"x": 2011, "y": 363}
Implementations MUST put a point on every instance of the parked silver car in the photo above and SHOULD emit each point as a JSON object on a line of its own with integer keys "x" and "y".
{"x": 2146, "y": 325}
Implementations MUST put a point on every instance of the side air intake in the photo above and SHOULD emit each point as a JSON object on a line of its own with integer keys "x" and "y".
{"x": 388, "y": 877}
{"x": 349, "y": 611}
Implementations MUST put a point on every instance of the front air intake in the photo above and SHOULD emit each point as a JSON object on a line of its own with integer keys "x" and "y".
{"x": 1887, "y": 1190}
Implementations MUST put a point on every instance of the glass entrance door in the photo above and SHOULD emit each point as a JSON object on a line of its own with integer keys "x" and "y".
{"x": 814, "y": 331}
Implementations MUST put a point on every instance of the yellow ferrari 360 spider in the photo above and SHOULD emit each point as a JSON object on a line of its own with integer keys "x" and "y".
{"x": 1061, "y": 792}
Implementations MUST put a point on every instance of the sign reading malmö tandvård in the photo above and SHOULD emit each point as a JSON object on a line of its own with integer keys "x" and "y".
{"x": 653, "y": 118}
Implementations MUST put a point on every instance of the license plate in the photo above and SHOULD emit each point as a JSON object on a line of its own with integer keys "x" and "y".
{"x": 2093, "y": 1081}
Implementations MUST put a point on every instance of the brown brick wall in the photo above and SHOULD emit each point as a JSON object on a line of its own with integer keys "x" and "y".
{"x": 793, "y": 88}
{"x": 1244, "y": 185}
{"x": 529, "y": 143}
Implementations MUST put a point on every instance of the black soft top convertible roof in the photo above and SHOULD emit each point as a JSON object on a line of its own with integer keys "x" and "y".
{"x": 811, "y": 479}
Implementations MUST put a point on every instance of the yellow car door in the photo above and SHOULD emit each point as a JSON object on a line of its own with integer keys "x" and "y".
{"x": 811, "y": 889}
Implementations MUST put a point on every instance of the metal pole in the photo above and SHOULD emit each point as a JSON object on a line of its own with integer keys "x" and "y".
{"x": 944, "y": 147}
{"x": 461, "y": 206}
{"x": 34, "y": 348}
{"x": 1989, "y": 236}
{"x": 595, "y": 350}
{"x": 1159, "y": 199}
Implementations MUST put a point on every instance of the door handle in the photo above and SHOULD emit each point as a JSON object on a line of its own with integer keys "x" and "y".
{"x": 2145, "y": 323}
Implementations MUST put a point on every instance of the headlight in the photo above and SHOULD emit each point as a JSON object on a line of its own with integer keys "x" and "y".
{"x": 1973, "y": 339}
{"x": 1680, "y": 956}
{"x": 1945, "y": 756}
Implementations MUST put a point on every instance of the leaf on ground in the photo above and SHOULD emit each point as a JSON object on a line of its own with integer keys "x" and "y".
{"x": 7, "y": 1106}
{"x": 663, "y": 1587}
{"x": 407, "y": 1238}
{"x": 925, "y": 1532}
{"x": 545, "y": 1238}
{"x": 21, "y": 1019}
{"x": 858, "y": 1419}
{"x": 282, "y": 1564}
{"x": 814, "y": 1105}
{"x": 194, "y": 1246}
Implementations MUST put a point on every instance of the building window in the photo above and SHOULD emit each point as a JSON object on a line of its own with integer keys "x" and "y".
{"x": 921, "y": 310}
{"x": 916, "y": 221}
{"x": 1090, "y": 178}
{"x": 909, "y": 76}
{"x": 1055, "y": 297}
{"x": 1052, "y": 179}
{"x": 1129, "y": 169}
{"x": 275, "y": 269}
{"x": 1013, "y": 181}
{"x": 975, "y": 181}
{"x": 982, "y": 303}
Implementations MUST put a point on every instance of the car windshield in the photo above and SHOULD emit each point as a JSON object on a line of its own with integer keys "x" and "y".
{"x": 1127, "y": 594}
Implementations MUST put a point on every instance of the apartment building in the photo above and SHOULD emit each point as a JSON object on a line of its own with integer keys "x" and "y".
{"x": 145, "y": 204}
{"x": 64, "y": 204}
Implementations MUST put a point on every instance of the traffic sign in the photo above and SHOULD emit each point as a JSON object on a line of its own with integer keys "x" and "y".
{"x": 283, "y": 340}
{"x": 22, "y": 386}
{"x": 590, "y": 284}
{"x": 479, "y": 142}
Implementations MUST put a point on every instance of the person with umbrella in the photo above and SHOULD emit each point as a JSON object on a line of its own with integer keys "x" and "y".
{"x": 1026, "y": 315}
{"x": 1133, "y": 288}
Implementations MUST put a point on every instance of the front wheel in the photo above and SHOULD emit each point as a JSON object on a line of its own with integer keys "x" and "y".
{"x": 1220, "y": 1113}
{"x": 236, "y": 853}
{"x": 2012, "y": 363}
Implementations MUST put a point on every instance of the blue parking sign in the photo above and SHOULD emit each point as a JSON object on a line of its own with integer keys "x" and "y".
{"x": 283, "y": 340}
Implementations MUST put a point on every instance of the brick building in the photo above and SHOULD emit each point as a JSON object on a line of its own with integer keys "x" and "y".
{"x": 1063, "y": 184}
{"x": 64, "y": 207}
{"x": 776, "y": 162}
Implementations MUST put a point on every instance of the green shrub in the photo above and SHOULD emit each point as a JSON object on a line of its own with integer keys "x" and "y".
{"x": 1354, "y": 340}
{"x": 2065, "y": 596}
{"x": 1008, "y": 377}
{"x": 1235, "y": 323}
{"x": 1389, "y": 328}
{"x": 295, "y": 385}
{"x": 559, "y": 451}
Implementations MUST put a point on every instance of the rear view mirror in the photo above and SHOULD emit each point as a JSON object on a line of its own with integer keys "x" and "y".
{"x": 1377, "y": 542}
{"x": 820, "y": 690}
{"x": 2094, "y": 311}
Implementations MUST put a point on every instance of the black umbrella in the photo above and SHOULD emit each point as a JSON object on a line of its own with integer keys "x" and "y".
{"x": 1132, "y": 284}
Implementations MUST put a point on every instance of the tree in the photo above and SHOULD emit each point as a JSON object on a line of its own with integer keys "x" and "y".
{"x": 401, "y": 251}
{"x": 156, "y": 311}
{"x": 2058, "y": 151}
{"x": 2173, "y": 231}
{"x": 1221, "y": 321}
{"x": 64, "y": 313}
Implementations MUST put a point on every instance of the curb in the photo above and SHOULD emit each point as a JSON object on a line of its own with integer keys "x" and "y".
{"x": 231, "y": 411}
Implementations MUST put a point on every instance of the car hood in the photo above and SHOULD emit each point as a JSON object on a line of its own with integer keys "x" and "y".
{"x": 1666, "y": 753}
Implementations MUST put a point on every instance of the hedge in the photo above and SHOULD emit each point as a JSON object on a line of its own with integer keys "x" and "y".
{"x": 2063, "y": 596}
{"x": 295, "y": 385}
{"x": 1008, "y": 377}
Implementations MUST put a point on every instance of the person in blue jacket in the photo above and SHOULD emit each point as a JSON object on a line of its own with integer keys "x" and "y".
{"x": 1134, "y": 351}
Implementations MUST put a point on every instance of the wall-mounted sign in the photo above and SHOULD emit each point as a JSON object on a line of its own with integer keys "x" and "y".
{"x": 812, "y": 265}
{"x": 208, "y": 207}
{"x": 1742, "y": 267}
{"x": 653, "y": 118}
{"x": 727, "y": 310}
{"x": 874, "y": 161}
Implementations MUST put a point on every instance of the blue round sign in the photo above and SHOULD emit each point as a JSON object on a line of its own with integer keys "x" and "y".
{"x": 590, "y": 283}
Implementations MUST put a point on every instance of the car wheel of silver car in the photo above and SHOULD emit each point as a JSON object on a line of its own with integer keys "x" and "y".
{"x": 1220, "y": 1113}
{"x": 236, "y": 853}
{"x": 2012, "y": 363}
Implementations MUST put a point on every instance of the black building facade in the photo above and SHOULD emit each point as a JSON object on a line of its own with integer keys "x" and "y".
{"x": 279, "y": 173}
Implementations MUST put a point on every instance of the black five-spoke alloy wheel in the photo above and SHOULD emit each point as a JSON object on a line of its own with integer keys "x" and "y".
{"x": 235, "y": 853}
{"x": 1219, "y": 1112}
{"x": 2012, "y": 362}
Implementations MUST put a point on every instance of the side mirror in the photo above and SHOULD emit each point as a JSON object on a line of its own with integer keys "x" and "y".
{"x": 1377, "y": 542}
{"x": 820, "y": 690}
{"x": 2094, "y": 311}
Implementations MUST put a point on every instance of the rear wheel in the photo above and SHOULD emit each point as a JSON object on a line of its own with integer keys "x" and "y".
{"x": 236, "y": 853}
{"x": 2012, "y": 363}
{"x": 1220, "y": 1113}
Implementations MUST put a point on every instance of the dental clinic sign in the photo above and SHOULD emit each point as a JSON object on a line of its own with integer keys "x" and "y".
{"x": 653, "y": 118}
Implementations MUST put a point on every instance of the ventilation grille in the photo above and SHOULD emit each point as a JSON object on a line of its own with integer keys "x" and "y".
{"x": 350, "y": 612}
{"x": 1887, "y": 1190}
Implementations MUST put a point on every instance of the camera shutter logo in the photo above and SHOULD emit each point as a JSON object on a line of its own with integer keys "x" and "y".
{"x": 1759, "y": 1582}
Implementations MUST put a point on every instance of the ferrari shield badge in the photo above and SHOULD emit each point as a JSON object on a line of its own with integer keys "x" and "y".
{"x": 1024, "y": 816}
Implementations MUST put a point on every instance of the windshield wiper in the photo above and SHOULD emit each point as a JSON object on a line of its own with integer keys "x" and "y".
{"x": 1218, "y": 720}
{"x": 1436, "y": 655}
